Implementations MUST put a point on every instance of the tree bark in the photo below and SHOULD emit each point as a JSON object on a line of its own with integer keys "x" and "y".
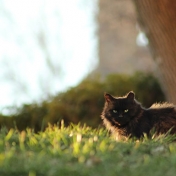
{"x": 158, "y": 20}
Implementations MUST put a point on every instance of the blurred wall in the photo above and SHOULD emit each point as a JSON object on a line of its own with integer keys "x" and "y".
{"x": 117, "y": 33}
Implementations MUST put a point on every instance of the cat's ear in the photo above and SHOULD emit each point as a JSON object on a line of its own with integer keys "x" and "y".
{"x": 131, "y": 96}
{"x": 108, "y": 97}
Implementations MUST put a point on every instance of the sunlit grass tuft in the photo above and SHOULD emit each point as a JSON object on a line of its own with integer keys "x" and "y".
{"x": 81, "y": 150}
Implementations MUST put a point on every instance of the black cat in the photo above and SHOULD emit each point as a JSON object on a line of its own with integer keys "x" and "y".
{"x": 125, "y": 117}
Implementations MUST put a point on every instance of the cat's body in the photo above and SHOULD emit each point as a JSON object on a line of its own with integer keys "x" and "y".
{"x": 125, "y": 117}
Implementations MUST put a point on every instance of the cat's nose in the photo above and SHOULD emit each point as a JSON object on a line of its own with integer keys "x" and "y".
{"x": 120, "y": 115}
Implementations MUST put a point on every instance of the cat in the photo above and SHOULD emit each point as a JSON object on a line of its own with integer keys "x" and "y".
{"x": 125, "y": 117}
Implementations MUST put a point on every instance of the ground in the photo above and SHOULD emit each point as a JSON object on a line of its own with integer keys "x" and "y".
{"x": 83, "y": 151}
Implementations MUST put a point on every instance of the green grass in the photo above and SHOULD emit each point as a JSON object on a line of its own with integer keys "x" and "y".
{"x": 82, "y": 151}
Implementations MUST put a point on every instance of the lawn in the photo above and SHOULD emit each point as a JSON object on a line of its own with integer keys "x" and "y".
{"x": 83, "y": 151}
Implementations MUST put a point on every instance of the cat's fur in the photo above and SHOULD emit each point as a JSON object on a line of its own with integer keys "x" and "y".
{"x": 125, "y": 117}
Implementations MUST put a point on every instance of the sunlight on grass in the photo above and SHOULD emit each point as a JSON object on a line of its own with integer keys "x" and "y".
{"x": 81, "y": 150}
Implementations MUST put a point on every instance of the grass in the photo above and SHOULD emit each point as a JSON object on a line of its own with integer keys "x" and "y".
{"x": 82, "y": 151}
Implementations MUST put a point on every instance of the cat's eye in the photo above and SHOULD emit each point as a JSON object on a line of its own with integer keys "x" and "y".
{"x": 126, "y": 110}
{"x": 114, "y": 111}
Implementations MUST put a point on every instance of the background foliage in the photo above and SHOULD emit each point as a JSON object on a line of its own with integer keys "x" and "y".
{"x": 83, "y": 103}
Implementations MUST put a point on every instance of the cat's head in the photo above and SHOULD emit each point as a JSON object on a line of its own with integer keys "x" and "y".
{"x": 119, "y": 111}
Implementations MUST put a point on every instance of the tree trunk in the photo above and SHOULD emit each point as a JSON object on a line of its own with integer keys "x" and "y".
{"x": 158, "y": 21}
